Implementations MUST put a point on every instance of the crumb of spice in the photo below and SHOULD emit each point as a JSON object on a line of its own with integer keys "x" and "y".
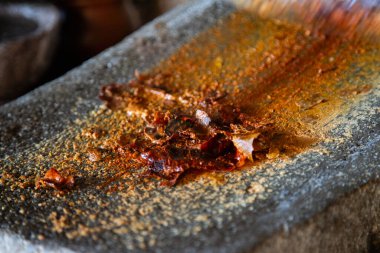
{"x": 54, "y": 179}
{"x": 94, "y": 155}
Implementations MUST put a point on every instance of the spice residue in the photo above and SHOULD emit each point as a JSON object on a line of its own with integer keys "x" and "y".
{"x": 229, "y": 99}
{"x": 197, "y": 131}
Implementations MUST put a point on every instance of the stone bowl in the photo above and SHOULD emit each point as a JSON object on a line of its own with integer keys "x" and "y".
{"x": 28, "y": 37}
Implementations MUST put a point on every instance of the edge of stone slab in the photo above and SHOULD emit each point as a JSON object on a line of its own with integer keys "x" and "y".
{"x": 343, "y": 174}
{"x": 13, "y": 243}
{"x": 356, "y": 228}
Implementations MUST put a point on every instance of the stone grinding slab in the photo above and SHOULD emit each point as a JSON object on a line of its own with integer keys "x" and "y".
{"x": 289, "y": 213}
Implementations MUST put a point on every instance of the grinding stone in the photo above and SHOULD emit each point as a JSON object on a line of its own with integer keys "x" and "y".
{"x": 317, "y": 202}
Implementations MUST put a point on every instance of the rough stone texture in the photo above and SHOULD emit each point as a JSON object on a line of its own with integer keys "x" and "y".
{"x": 323, "y": 200}
{"x": 350, "y": 225}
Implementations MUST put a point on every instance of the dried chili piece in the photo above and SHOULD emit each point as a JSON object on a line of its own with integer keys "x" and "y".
{"x": 217, "y": 145}
{"x": 179, "y": 138}
{"x": 54, "y": 179}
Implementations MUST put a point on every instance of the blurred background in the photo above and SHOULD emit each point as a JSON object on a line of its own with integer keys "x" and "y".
{"x": 85, "y": 28}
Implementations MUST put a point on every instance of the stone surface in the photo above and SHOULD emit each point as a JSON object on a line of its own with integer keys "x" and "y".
{"x": 323, "y": 200}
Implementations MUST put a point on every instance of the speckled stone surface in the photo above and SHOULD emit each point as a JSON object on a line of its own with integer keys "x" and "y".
{"x": 323, "y": 200}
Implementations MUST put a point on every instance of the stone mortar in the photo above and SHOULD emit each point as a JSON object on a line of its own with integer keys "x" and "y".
{"x": 25, "y": 58}
{"x": 317, "y": 202}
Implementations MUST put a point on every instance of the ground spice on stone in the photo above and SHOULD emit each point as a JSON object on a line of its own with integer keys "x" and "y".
{"x": 226, "y": 100}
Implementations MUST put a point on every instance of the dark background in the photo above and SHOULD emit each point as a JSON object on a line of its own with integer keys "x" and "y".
{"x": 90, "y": 26}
